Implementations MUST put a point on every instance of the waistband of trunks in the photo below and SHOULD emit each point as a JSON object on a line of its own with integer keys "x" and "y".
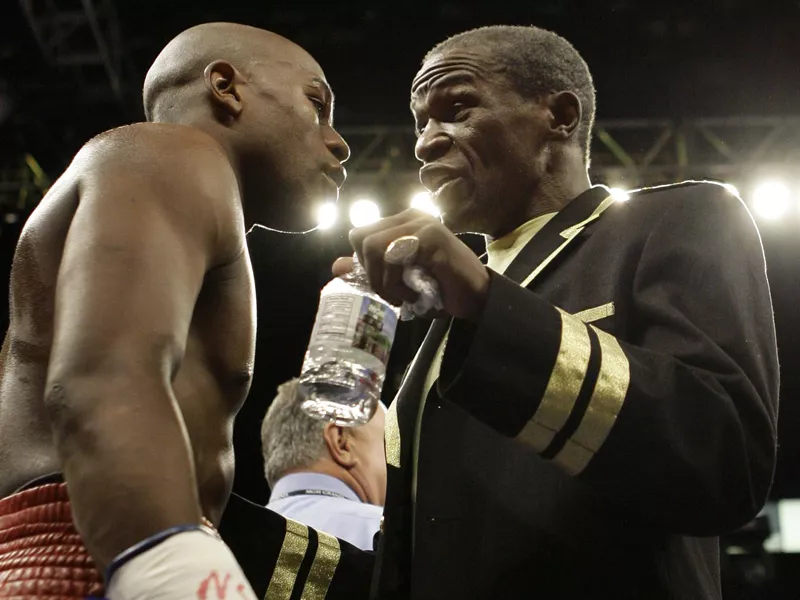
{"x": 41, "y": 553}
{"x": 42, "y": 491}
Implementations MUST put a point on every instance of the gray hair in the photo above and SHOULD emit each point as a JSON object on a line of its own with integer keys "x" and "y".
{"x": 290, "y": 439}
{"x": 536, "y": 61}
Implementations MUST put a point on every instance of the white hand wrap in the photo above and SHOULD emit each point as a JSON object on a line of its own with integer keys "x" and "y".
{"x": 186, "y": 566}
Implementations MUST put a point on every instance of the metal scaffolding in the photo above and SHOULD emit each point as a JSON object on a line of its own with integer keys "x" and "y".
{"x": 83, "y": 35}
{"x": 625, "y": 152}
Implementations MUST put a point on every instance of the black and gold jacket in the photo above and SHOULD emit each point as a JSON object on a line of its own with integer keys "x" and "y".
{"x": 611, "y": 412}
{"x": 286, "y": 560}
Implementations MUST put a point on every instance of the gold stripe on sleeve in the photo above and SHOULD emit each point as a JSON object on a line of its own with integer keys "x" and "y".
{"x": 605, "y": 404}
{"x": 293, "y": 551}
{"x": 323, "y": 568}
{"x": 564, "y": 385}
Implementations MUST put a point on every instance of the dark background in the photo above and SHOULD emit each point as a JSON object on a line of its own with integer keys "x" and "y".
{"x": 672, "y": 60}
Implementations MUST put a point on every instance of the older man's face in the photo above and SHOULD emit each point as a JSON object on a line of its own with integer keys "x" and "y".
{"x": 481, "y": 142}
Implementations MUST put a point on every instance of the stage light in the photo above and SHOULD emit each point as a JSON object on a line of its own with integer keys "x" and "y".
{"x": 364, "y": 212}
{"x": 326, "y": 215}
{"x": 771, "y": 199}
{"x": 424, "y": 202}
{"x": 789, "y": 524}
{"x": 619, "y": 194}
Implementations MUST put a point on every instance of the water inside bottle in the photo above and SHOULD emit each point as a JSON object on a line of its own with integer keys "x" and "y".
{"x": 341, "y": 391}
{"x": 345, "y": 365}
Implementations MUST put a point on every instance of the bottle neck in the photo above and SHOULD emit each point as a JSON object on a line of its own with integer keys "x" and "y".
{"x": 357, "y": 275}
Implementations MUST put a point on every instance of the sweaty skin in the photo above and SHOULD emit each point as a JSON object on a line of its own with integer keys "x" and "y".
{"x": 132, "y": 327}
{"x": 133, "y": 285}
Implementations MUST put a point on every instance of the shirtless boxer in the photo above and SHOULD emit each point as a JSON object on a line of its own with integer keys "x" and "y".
{"x": 131, "y": 339}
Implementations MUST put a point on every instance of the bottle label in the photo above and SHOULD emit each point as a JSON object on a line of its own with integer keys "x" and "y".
{"x": 358, "y": 321}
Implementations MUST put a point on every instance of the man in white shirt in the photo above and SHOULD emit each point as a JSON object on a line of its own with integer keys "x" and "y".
{"x": 329, "y": 477}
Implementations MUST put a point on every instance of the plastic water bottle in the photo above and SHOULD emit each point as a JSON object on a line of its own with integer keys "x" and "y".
{"x": 345, "y": 364}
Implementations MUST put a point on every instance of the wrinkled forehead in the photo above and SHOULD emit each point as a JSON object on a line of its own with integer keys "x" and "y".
{"x": 449, "y": 68}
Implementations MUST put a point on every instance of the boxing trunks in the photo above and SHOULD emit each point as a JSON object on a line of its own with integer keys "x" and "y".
{"x": 42, "y": 556}
{"x": 41, "y": 553}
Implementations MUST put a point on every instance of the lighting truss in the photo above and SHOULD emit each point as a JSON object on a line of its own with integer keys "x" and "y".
{"x": 80, "y": 34}
{"x": 625, "y": 152}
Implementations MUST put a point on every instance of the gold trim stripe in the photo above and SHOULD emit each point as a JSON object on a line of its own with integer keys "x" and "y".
{"x": 293, "y": 551}
{"x": 323, "y": 568}
{"x": 565, "y": 383}
{"x": 391, "y": 436}
{"x": 590, "y": 315}
{"x": 570, "y": 233}
{"x": 607, "y": 399}
{"x": 601, "y": 208}
{"x": 548, "y": 260}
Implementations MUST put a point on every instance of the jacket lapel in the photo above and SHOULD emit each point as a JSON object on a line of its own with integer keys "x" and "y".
{"x": 392, "y": 574}
{"x": 558, "y": 234}
{"x": 393, "y": 564}
{"x": 402, "y": 414}
{"x": 530, "y": 263}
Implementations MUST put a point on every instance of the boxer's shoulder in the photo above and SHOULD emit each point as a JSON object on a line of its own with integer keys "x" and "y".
{"x": 153, "y": 136}
{"x": 155, "y": 149}
{"x": 177, "y": 166}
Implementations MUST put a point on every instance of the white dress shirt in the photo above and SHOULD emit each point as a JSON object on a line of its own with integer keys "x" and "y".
{"x": 327, "y": 504}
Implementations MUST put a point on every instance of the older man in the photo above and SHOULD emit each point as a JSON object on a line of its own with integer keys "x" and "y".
{"x": 330, "y": 477}
{"x": 598, "y": 403}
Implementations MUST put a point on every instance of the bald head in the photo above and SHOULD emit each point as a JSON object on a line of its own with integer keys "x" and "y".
{"x": 183, "y": 61}
{"x": 267, "y": 104}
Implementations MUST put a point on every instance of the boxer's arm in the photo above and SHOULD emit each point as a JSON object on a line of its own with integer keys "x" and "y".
{"x": 146, "y": 230}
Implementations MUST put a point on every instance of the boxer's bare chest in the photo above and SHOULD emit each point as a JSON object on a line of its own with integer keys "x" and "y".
{"x": 215, "y": 375}
{"x": 210, "y": 386}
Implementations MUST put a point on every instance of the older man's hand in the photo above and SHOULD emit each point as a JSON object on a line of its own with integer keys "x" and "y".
{"x": 463, "y": 280}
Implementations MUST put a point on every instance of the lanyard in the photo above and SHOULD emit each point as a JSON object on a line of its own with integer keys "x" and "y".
{"x": 312, "y": 493}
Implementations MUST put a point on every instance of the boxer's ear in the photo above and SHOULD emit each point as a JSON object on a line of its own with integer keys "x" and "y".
{"x": 339, "y": 441}
{"x": 222, "y": 84}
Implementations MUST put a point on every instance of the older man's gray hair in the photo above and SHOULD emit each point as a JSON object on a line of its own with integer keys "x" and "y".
{"x": 537, "y": 61}
{"x": 290, "y": 439}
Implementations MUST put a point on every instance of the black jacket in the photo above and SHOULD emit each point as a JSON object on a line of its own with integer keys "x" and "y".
{"x": 597, "y": 428}
{"x": 286, "y": 560}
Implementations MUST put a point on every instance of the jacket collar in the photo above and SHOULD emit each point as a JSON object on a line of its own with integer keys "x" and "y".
{"x": 558, "y": 234}
{"x": 529, "y": 265}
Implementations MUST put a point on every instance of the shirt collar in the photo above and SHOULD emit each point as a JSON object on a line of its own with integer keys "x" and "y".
{"x": 311, "y": 481}
{"x": 501, "y": 252}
